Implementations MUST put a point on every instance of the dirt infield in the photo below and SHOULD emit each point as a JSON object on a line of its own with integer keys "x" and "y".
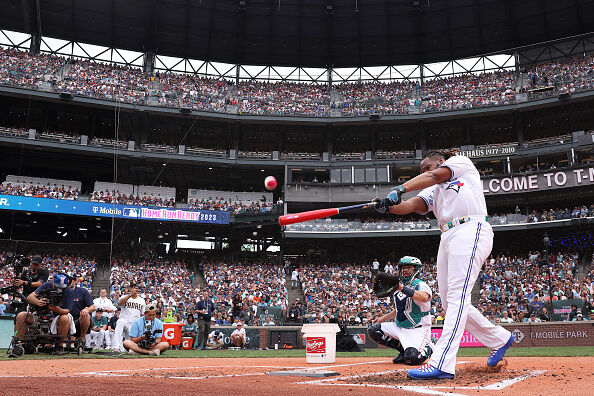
{"x": 517, "y": 375}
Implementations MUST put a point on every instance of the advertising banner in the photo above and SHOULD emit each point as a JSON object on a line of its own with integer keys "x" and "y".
{"x": 99, "y": 209}
{"x": 275, "y": 314}
{"x": 562, "y": 307}
{"x": 468, "y": 339}
{"x": 197, "y": 216}
{"x": 537, "y": 182}
{"x": 489, "y": 151}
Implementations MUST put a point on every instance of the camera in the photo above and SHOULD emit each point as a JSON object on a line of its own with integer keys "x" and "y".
{"x": 54, "y": 297}
{"x": 149, "y": 336}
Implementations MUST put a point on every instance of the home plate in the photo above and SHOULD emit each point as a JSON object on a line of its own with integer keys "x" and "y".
{"x": 305, "y": 373}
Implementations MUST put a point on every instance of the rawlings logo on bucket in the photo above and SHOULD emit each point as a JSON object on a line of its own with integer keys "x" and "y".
{"x": 316, "y": 345}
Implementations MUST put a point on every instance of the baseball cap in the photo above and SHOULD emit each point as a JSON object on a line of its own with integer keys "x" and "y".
{"x": 151, "y": 307}
{"x": 36, "y": 260}
{"x": 99, "y": 310}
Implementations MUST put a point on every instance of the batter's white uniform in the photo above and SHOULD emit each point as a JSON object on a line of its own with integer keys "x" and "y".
{"x": 415, "y": 337}
{"x": 131, "y": 311}
{"x": 462, "y": 252}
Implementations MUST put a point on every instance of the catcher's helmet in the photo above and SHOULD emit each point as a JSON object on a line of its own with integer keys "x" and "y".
{"x": 61, "y": 281}
{"x": 409, "y": 260}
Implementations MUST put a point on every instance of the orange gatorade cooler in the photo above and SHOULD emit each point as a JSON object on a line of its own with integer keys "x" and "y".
{"x": 187, "y": 343}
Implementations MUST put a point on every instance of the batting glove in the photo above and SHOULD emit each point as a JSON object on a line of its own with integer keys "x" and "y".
{"x": 395, "y": 196}
{"x": 380, "y": 205}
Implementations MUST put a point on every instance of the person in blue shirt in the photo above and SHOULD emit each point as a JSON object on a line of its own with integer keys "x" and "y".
{"x": 203, "y": 310}
{"x": 2, "y": 307}
{"x": 61, "y": 313}
{"x": 138, "y": 334}
{"x": 82, "y": 308}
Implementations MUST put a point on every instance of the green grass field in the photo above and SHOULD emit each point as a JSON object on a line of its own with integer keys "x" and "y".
{"x": 463, "y": 352}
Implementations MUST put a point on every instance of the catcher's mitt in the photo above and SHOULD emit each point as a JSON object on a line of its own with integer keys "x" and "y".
{"x": 385, "y": 284}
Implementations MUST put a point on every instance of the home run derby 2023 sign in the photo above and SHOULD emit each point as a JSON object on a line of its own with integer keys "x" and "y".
{"x": 99, "y": 209}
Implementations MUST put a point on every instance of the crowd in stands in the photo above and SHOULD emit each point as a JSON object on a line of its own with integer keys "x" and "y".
{"x": 132, "y": 85}
{"x": 236, "y": 284}
{"x": 517, "y": 288}
{"x": 282, "y": 98}
{"x": 566, "y": 75}
{"x": 239, "y": 208}
{"x": 561, "y": 214}
{"x": 115, "y": 197}
{"x": 40, "y": 191}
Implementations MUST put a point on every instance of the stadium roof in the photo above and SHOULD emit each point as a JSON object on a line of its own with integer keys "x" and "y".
{"x": 308, "y": 33}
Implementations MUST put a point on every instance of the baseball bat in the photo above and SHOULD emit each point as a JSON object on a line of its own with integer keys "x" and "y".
{"x": 319, "y": 214}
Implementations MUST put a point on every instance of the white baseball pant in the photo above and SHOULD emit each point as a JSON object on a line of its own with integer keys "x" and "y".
{"x": 96, "y": 337}
{"x": 121, "y": 331}
{"x": 416, "y": 338}
{"x": 462, "y": 252}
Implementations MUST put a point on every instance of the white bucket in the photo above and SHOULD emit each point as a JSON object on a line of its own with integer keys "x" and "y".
{"x": 320, "y": 342}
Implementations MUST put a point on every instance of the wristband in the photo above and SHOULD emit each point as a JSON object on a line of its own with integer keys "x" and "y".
{"x": 407, "y": 291}
{"x": 401, "y": 188}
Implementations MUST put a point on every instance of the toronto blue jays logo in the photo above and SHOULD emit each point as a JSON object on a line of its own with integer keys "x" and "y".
{"x": 455, "y": 186}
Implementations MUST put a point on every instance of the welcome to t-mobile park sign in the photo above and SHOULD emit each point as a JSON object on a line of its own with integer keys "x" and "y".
{"x": 538, "y": 182}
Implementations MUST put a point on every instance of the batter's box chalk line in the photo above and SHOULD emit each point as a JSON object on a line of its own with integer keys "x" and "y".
{"x": 425, "y": 389}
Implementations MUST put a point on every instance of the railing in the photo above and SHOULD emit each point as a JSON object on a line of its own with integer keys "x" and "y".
{"x": 342, "y": 225}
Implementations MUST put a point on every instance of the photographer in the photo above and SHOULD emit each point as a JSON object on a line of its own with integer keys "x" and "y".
{"x": 33, "y": 277}
{"x": 145, "y": 334}
{"x": 61, "y": 309}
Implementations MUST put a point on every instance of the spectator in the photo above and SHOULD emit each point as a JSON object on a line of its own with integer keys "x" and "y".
{"x": 190, "y": 329}
{"x": 105, "y": 304}
{"x": 96, "y": 338}
{"x": 295, "y": 279}
{"x": 238, "y": 337}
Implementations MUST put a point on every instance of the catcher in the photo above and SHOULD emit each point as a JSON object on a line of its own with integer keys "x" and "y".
{"x": 408, "y": 327}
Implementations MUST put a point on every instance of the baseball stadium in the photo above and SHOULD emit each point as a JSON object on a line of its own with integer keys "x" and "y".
{"x": 288, "y": 197}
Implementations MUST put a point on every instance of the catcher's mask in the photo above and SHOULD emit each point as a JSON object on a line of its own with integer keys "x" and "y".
{"x": 409, "y": 260}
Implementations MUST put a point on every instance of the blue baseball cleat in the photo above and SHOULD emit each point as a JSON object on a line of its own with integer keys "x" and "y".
{"x": 427, "y": 372}
{"x": 497, "y": 354}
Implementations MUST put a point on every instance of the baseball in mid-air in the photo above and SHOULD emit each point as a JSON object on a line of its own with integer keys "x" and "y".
{"x": 270, "y": 183}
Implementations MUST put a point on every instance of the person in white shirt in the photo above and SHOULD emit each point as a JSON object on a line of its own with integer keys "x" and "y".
{"x": 105, "y": 304}
{"x": 238, "y": 336}
{"x": 132, "y": 308}
{"x": 268, "y": 322}
{"x": 505, "y": 318}
{"x": 452, "y": 189}
{"x": 375, "y": 265}
{"x": 295, "y": 279}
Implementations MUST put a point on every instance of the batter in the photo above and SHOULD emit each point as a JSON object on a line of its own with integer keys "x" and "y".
{"x": 452, "y": 189}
